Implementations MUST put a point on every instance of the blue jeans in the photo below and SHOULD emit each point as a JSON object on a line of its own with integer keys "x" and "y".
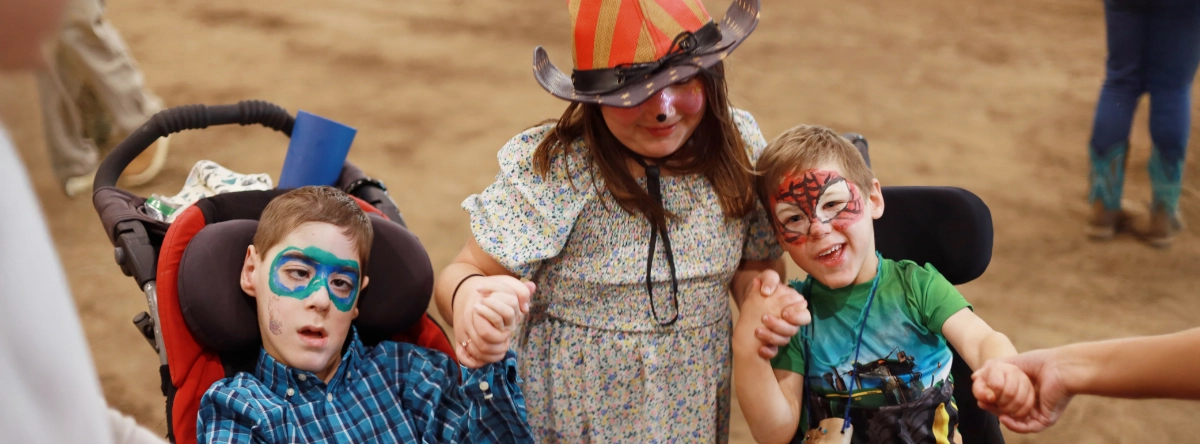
{"x": 1153, "y": 47}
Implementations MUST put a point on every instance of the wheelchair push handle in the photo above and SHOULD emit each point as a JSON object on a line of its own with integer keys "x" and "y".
{"x": 188, "y": 117}
{"x": 860, "y": 142}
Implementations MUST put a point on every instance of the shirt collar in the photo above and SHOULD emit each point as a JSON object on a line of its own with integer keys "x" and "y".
{"x": 279, "y": 378}
{"x": 825, "y": 300}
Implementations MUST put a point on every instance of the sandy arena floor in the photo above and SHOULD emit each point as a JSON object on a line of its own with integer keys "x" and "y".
{"x": 995, "y": 97}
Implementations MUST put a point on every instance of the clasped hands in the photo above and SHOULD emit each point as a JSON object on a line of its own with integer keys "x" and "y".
{"x": 1025, "y": 391}
{"x": 771, "y": 313}
{"x": 487, "y": 311}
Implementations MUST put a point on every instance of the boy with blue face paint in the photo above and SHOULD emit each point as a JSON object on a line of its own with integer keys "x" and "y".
{"x": 337, "y": 276}
{"x": 315, "y": 381}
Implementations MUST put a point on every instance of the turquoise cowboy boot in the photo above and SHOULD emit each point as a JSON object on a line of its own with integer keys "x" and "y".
{"x": 1106, "y": 181}
{"x": 1166, "y": 180}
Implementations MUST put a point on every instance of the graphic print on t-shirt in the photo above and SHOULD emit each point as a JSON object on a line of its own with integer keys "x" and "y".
{"x": 902, "y": 387}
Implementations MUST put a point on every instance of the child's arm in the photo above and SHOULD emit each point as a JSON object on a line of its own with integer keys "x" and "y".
{"x": 473, "y": 272}
{"x": 1145, "y": 367}
{"x": 762, "y": 278}
{"x": 227, "y": 417}
{"x": 769, "y": 398}
{"x": 979, "y": 345}
{"x": 974, "y": 339}
{"x": 747, "y": 271}
{"x": 494, "y": 318}
{"x": 486, "y": 406}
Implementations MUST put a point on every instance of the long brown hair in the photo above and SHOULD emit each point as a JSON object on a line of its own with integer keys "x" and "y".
{"x": 715, "y": 150}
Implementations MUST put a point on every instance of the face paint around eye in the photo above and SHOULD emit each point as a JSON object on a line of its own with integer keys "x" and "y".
{"x": 791, "y": 218}
{"x": 833, "y": 201}
{"x": 338, "y": 276}
{"x": 820, "y": 196}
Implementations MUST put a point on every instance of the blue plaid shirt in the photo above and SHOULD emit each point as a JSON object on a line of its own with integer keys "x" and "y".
{"x": 394, "y": 392}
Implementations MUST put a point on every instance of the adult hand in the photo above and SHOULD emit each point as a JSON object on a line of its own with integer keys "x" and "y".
{"x": 478, "y": 341}
{"x": 792, "y": 312}
{"x": 1051, "y": 396}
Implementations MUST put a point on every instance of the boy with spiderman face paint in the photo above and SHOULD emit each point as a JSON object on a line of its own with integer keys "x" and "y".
{"x": 877, "y": 330}
{"x": 315, "y": 381}
{"x": 810, "y": 209}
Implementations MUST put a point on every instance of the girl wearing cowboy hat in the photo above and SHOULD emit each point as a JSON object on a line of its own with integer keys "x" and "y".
{"x": 636, "y": 217}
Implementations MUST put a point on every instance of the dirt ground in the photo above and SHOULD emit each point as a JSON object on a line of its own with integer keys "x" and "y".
{"x": 995, "y": 97}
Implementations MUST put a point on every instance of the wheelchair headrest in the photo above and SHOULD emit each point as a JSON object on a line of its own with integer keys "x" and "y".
{"x": 223, "y": 318}
{"x": 948, "y": 227}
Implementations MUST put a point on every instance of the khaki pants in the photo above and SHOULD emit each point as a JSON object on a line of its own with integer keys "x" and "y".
{"x": 92, "y": 88}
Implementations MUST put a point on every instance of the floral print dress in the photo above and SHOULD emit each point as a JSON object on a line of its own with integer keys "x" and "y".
{"x": 597, "y": 365}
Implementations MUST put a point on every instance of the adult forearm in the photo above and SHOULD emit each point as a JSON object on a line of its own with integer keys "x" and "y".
{"x": 1145, "y": 367}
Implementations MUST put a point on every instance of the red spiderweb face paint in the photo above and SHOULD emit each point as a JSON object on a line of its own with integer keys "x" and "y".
{"x": 814, "y": 197}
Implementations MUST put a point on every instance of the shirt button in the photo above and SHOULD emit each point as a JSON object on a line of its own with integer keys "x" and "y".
{"x": 329, "y": 397}
{"x": 291, "y": 392}
{"x": 484, "y": 386}
{"x": 301, "y": 377}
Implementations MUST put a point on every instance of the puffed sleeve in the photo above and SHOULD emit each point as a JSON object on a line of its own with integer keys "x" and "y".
{"x": 525, "y": 218}
{"x": 760, "y": 243}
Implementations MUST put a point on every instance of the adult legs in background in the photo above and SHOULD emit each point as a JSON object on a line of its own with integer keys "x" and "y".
{"x": 1172, "y": 54}
{"x": 1127, "y": 23}
{"x": 72, "y": 154}
{"x": 92, "y": 66}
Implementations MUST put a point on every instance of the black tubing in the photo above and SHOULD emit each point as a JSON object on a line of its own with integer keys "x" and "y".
{"x": 187, "y": 117}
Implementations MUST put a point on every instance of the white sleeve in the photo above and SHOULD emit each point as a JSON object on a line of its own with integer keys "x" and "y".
{"x": 127, "y": 431}
{"x": 49, "y": 392}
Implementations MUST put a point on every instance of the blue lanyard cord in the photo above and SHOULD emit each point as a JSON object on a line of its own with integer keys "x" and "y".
{"x": 862, "y": 326}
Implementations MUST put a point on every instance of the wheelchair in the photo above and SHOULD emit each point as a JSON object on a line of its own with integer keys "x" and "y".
{"x": 199, "y": 322}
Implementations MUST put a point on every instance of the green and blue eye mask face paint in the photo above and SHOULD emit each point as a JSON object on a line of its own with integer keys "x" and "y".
{"x": 298, "y": 273}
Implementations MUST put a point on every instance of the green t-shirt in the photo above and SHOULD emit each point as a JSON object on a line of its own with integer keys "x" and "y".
{"x": 903, "y": 350}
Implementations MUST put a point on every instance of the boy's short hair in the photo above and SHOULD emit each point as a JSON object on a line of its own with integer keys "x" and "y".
{"x": 325, "y": 204}
{"x": 804, "y": 147}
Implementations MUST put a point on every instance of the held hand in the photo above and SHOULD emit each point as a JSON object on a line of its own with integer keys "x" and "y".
{"x": 1004, "y": 389}
{"x": 999, "y": 390}
{"x": 482, "y": 309}
{"x": 500, "y": 310}
{"x": 782, "y": 312}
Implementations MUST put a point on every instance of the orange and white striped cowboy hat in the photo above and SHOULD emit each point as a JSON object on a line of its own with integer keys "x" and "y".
{"x": 628, "y": 50}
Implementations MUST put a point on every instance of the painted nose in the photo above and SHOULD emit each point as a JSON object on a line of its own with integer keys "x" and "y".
{"x": 661, "y": 105}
